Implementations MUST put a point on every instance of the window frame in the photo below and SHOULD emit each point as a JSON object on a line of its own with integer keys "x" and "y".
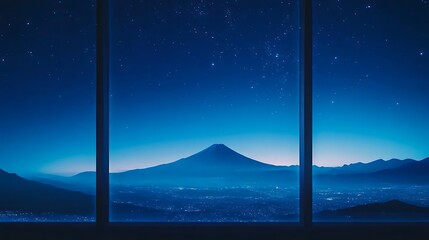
{"x": 305, "y": 227}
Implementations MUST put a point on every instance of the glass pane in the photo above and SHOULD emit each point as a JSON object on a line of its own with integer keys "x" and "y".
{"x": 47, "y": 109}
{"x": 371, "y": 70}
{"x": 204, "y": 111}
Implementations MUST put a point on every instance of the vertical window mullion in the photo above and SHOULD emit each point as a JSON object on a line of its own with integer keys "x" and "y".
{"x": 102, "y": 113}
{"x": 306, "y": 113}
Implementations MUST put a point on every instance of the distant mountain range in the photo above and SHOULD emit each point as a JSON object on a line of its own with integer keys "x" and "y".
{"x": 386, "y": 211}
{"x": 216, "y": 166}
{"x": 219, "y": 165}
{"x": 22, "y": 195}
{"x": 378, "y": 172}
{"x": 364, "y": 168}
{"x": 19, "y": 194}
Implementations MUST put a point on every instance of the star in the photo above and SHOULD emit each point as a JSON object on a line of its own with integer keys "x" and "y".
{"x": 421, "y": 53}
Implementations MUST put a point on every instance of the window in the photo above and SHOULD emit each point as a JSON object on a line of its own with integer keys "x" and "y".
{"x": 370, "y": 111}
{"x": 204, "y": 111}
{"x": 47, "y": 109}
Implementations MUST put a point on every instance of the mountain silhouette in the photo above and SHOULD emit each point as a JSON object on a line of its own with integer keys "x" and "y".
{"x": 217, "y": 158}
{"x": 221, "y": 158}
{"x": 393, "y": 210}
{"x": 412, "y": 172}
{"x": 32, "y": 197}
{"x": 19, "y": 194}
{"x": 379, "y": 172}
{"x": 374, "y": 166}
{"x": 217, "y": 164}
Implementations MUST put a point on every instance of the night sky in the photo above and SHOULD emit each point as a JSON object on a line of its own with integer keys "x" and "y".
{"x": 187, "y": 74}
{"x": 371, "y": 77}
{"x": 47, "y": 86}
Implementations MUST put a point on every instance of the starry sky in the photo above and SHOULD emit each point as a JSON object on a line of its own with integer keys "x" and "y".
{"x": 371, "y": 80}
{"x": 47, "y": 91}
{"x": 187, "y": 74}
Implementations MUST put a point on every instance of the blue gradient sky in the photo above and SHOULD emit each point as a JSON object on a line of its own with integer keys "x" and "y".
{"x": 185, "y": 76}
{"x": 193, "y": 73}
{"x": 371, "y": 72}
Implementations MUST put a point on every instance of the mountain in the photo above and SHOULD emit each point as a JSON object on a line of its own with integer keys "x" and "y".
{"x": 412, "y": 172}
{"x": 379, "y": 172}
{"x": 19, "y": 194}
{"x": 216, "y": 165}
{"x": 374, "y": 166}
{"x": 386, "y": 211}
{"x": 217, "y": 159}
{"x": 27, "y": 196}
{"x": 220, "y": 158}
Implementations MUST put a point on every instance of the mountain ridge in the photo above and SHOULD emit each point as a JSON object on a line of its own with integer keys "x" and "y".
{"x": 16, "y": 192}
{"x": 218, "y": 163}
